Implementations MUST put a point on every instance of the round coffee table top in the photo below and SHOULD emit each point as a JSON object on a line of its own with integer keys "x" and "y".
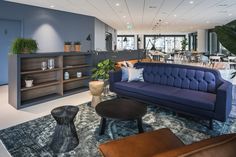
{"x": 121, "y": 109}
{"x": 64, "y": 113}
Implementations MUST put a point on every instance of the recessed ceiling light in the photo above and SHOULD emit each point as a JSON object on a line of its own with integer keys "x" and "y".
{"x": 191, "y": 2}
{"x": 230, "y": 14}
{"x": 117, "y": 4}
{"x": 52, "y": 6}
{"x": 124, "y": 16}
{"x": 175, "y": 15}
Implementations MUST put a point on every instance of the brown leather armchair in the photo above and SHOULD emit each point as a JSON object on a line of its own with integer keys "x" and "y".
{"x": 163, "y": 143}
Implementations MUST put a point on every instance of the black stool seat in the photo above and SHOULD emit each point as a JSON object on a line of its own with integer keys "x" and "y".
{"x": 65, "y": 137}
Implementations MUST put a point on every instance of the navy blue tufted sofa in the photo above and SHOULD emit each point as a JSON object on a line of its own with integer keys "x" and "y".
{"x": 186, "y": 89}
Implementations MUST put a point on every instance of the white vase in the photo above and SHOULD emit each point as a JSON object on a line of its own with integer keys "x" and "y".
{"x": 28, "y": 83}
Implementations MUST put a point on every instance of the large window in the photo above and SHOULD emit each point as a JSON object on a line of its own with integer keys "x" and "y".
{"x": 125, "y": 42}
{"x": 164, "y": 43}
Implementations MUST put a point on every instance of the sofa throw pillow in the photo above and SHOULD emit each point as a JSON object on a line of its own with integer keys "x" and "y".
{"x": 124, "y": 64}
{"x": 129, "y": 64}
{"x": 135, "y": 74}
{"x": 125, "y": 74}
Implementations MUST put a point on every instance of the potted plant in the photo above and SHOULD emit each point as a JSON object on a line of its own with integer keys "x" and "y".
{"x": 77, "y": 46}
{"x": 101, "y": 71}
{"x": 184, "y": 43}
{"x": 28, "y": 81}
{"x": 226, "y": 34}
{"x": 67, "y": 46}
{"x": 24, "y": 45}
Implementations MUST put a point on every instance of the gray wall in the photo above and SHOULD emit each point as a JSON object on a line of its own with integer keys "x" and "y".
{"x": 51, "y": 28}
{"x": 100, "y": 34}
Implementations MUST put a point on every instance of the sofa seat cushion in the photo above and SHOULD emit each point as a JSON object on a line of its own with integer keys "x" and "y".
{"x": 142, "y": 145}
{"x": 197, "y": 99}
{"x": 130, "y": 86}
{"x": 192, "y": 98}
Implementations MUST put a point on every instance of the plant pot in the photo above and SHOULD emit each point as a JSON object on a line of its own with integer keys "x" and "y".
{"x": 29, "y": 83}
{"x": 67, "y": 48}
{"x": 77, "y": 48}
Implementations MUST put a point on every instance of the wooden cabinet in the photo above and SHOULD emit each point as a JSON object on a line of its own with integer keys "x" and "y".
{"x": 48, "y": 84}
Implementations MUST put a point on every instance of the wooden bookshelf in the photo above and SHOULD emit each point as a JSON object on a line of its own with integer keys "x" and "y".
{"x": 48, "y": 84}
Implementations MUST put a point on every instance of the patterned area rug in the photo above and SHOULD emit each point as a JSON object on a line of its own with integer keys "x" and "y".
{"x": 31, "y": 139}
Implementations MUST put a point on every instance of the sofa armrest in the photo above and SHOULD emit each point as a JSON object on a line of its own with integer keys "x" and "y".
{"x": 178, "y": 152}
{"x": 114, "y": 76}
{"x": 223, "y": 101}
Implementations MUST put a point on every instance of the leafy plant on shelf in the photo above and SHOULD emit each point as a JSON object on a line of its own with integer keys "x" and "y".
{"x": 226, "y": 34}
{"x": 102, "y": 69}
{"x": 24, "y": 45}
{"x": 67, "y": 43}
{"x": 184, "y": 43}
{"x": 77, "y": 43}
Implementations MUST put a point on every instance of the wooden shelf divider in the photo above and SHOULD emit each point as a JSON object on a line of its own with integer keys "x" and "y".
{"x": 40, "y": 85}
{"x": 39, "y": 71}
{"x": 76, "y": 79}
{"x": 50, "y": 83}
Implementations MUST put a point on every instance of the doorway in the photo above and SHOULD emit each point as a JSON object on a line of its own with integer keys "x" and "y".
{"x": 9, "y": 30}
{"x": 108, "y": 41}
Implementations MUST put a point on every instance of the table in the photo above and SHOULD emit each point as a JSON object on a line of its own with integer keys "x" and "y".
{"x": 65, "y": 137}
{"x": 96, "y": 88}
{"x": 120, "y": 109}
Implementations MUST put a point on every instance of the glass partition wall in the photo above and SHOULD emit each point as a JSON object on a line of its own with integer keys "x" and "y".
{"x": 164, "y": 43}
{"x": 125, "y": 42}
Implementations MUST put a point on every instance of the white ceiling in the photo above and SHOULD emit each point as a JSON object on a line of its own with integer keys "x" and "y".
{"x": 142, "y": 16}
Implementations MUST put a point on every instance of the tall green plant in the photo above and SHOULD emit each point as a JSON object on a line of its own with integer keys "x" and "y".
{"x": 226, "y": 34}
{"x": 184, "y": 43}
{"x": 102, "y": 69}
{"x": 23, "y": 45}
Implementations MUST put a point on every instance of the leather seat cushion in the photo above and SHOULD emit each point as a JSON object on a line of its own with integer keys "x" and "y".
{"x": 141, "y": 145}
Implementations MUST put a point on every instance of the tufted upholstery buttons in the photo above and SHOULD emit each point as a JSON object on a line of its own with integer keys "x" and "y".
{"x": 193, "y": 79}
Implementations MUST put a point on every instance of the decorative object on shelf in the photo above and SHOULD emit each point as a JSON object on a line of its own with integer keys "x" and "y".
{"x": 66, "y": 76}
{"x": 44, "y": 65}
{"x": 29, "y": 81}
{"x": 77, "y": 46}
{"x": 24, "y": 45}
{"x": 51, "y": 63}
{"x": 79, "y": 74}
{"x": 184, "y": 44}
{"x": 67, "y": 46}
{"x": 226, "y": 34}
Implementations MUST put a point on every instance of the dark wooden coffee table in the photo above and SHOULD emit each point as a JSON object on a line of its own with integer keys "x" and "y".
{"x": 65, "y": 137}
{"x": 121, "y": 109}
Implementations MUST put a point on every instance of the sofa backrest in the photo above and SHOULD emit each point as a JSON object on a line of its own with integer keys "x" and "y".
{"x": 181, "y": 76}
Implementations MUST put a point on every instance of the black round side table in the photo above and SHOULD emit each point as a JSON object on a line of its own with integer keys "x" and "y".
{"x": 65, "y": 137}
{"x": 121, "y": 109}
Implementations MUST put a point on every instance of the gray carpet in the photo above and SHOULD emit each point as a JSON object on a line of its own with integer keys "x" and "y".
{"x": 31, "y": 139}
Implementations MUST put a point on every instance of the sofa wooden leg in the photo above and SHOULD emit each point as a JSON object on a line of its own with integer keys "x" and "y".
{"x": 211, "y": 124}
